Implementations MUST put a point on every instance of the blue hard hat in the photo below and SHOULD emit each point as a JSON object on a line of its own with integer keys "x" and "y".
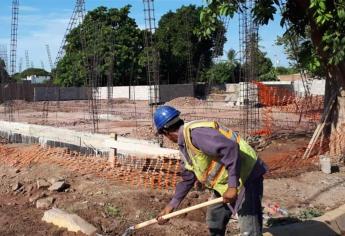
{"x": 163, "y": 115}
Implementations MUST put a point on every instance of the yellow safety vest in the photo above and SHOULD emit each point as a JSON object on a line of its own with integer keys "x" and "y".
{"x": 209, "y": 170}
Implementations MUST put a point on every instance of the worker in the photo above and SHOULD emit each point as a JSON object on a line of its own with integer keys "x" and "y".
{"x": 221, "y": 161}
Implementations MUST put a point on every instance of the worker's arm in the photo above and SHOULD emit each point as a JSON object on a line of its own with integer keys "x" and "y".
{"x": 183, "y": 187}
{"x": 213, "y": 143}
{"x": 181, "y": 190}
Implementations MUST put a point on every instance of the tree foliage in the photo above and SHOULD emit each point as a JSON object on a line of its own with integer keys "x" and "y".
{"x": 222, "y": 72}
{"x": 29, "y": 72}
{"x": 281, "y": 70}
{"x": 323, "y": 19}
{"x": 265, "y": 69}
{"x": 3, "y": 72}
{"x": 177, "y": 41}
{"x": 107, "y": 45}
{"x": 319, "y": 28}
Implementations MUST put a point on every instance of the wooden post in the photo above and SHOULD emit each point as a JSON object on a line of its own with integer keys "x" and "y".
{"x": 113, "y": 152}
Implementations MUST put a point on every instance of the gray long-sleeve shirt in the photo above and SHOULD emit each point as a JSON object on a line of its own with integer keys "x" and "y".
{"x": 213, "y": 143}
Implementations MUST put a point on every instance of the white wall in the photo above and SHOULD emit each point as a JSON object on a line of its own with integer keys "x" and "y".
{"x": 317, "y": 87}
{"x": 37, "y": 79}
{"x": 132, "y": 92}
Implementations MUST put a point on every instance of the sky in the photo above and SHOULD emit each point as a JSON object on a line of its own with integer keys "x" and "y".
{"x": 44, "y": 22}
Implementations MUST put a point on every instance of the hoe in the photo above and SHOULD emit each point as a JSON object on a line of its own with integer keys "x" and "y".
{"x": 131, "y": 229}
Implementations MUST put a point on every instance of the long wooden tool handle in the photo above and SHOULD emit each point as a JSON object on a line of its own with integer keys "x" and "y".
{"x": 180, "y": 212}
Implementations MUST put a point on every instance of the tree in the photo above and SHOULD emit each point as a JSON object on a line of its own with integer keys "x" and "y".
{"x": 29, "y": 72}
{"x": 265, "y": 69}
{"x": 106, "y": 46}
{"x": 281, "y": 70}
{"x": 180, "y": 48}
{"x": 301, "y": 54}
{"x": 320, "y": 21}
{"x": 3, "y": 72}
{"x": 222, "y": 72}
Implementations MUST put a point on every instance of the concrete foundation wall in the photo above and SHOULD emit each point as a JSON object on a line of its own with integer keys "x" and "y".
{"x": 82, "y": 141}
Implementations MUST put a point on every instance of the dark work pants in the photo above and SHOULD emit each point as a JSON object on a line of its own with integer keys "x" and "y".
{"x": 249, "y": 213}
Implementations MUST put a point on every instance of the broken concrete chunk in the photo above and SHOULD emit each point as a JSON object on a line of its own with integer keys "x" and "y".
{"x": 42, "y": 184}
{"x": 37, "y": 196}
{"x": 45, "y": 203}
{"x": 70, "y": 221}
{"x": 53, "y": 180}
{"x": 58, "y": 186}
{"x": 16, "y": 186}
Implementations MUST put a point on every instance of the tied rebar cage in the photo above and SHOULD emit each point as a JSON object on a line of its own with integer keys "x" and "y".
{"x": 152, "y": 54}
{"x": 249, "y": 49}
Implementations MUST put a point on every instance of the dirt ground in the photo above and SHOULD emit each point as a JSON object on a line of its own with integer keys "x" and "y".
{"x": 112, "y": 205}
{"x": 133, "y": 119}
{"x": 107, "y": 198}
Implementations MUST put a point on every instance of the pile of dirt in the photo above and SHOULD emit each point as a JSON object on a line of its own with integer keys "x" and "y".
{"x": 283, "y": 156}
{"x": 185, "y": 102}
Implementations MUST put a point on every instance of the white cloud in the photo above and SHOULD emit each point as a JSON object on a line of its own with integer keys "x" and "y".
{"x": 24, "y": 8}
{"x": 37, "y": 30}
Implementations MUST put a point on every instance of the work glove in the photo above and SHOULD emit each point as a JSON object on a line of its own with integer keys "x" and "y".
{"x": 230, "y": 195}
{"x": 167, "y": 209}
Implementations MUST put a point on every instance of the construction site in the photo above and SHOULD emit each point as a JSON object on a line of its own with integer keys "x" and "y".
{"x": 87, "y": 160}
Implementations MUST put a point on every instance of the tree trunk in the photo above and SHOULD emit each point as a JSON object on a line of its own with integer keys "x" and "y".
{"x": 336, "y": 127}
{"x": 334, "y": 132}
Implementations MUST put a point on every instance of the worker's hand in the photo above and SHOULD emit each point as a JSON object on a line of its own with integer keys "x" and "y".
{"x": 230, "y": 195}
{"x": 167, "y": 209}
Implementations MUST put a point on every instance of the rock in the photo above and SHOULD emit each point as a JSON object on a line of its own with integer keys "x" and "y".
{"x": 42, "y": 184}
{"x": 29, "y": 188}
{"x": 156, "y": 199}
{"x": 53, "y": 180}
{"x": 108, "y": 228}
{"x": 58, "y": 186}
{"x": 45, "y": 203}
{"x": 70, "y": 221}
{"x": 16, "y": 186}
{"x": 37, "y": 196}
{"x": 194, "y": 195}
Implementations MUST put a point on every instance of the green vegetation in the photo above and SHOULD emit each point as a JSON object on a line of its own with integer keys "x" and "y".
{"x": 29, "y": 72}
{"x": 310, "y": 213}
{"x": 112, "y": 211}
{"x": 281, "y": 70}
{"x": 222, "y": 72}
{"x": 177, "y": 41}
{"x": 3, "y": 72}
{"x": 316, "y": 28}
{"x": 107, "y": 44}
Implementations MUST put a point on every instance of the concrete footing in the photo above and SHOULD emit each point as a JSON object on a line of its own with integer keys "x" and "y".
{"x": 84, "y": 142}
